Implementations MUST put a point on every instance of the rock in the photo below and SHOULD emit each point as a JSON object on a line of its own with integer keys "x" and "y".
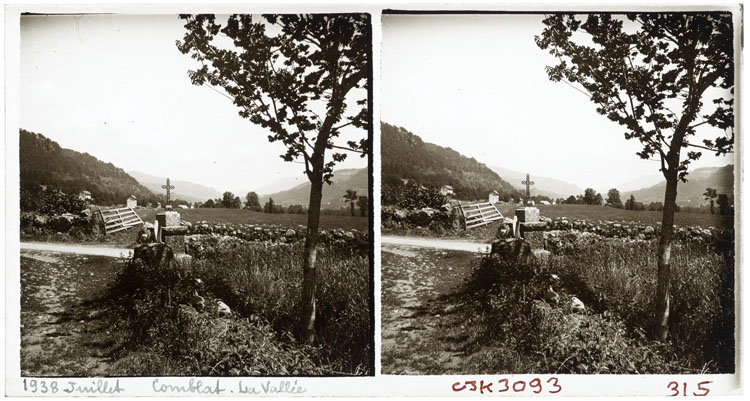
{"x": 223, "y": 308}
{"x": 145, "y": 235}
{"x": 504, "y": 231}
{"x": 542, "y": 254}
{"x": 183, "y": 259}
{"x": 648, "y": 230}
{"x": 577, "y": 305}
{"x": 511, "y": 249}
{"x": 154, "y": 254}
{"x": 290, "y": 234}
{"x": 40, "y": 220}
{"x": 197, "y": 301}
{"x": 551, "y": 296}
{"x": 61, "y": 223}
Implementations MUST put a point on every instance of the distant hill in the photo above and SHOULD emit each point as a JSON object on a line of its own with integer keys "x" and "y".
{"x": 333, "y": 195}
{"x": 691, "y": 192}
{"x": 405, "y": 155}
{"x": 545, "y": 186}
{"x": 44, "y": 162}
{"x": 281, "y": 184}
{"x": 643, "y": 181}
{"x": 184, "y": 190}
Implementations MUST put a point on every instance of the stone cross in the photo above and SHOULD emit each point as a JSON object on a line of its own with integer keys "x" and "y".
{"x": 528, "y": 183}
{"x": 168, "y": 188}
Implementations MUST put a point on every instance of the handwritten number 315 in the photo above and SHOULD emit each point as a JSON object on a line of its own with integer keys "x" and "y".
{"x": 674, "y": 386}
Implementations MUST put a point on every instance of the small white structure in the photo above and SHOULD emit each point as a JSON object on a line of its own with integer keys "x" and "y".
{"x": 132, "y": 201}
{"x": 85, "y": 196}
{"x": 183, "y": 207}
{"x": 494, "y": 197}
{"x": 544, "y": 202}
{"x": 446, "y": 190}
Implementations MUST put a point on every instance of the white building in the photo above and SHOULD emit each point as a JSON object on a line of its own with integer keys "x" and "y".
{"x": 494, "y": 197}
{"x": 132, "y": 201}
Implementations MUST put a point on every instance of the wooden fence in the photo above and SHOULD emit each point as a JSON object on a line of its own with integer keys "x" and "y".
{"x": 119, "y": 219}
{"x": 479, "y": 214}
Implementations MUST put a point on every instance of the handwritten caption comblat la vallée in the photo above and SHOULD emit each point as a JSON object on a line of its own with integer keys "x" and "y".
{"x": 553, "y": 386}
{"x": 163, "y": 386}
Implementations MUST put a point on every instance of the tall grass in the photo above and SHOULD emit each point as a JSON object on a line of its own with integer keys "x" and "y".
{"x": 621, "y": 278}
{"x": 512, "y": 328}
{"x": 262, "y": 286}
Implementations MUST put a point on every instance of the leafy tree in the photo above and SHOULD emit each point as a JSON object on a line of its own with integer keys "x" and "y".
{"x": 723, "y": 202}
{"x": 252, "y": 200}
{"x": 269, "y": 207}
{"x": 209, "y": 204}
{"x": 571, "y": 200}
{"x": 362, "y": 203}
{"x": 227, "y": 200}
{"x": 630, "y": 203}
{"x": 350, "y": 196}
{"x": 652, "y": 78}
{"x": 710, "y": 195}
{"x": 297, "y": 80}
{"x": 613, "y": 198}
{"x": 236, "y": 202}
{"x": 591, "y": 197}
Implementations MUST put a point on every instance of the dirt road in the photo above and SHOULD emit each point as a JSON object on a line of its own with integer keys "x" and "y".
{"x": 78, "y": 249}
{"x": 63, "y": 332}
{"x": 422, "y": 320}
{"x": 436, "y": 243}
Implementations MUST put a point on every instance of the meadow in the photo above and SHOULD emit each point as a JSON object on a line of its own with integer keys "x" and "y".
{"x": 242, "y": 216}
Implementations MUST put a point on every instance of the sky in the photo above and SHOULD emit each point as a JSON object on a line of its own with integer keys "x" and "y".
{"x": 477, "y": 84}
{"x": 116, "y": 87}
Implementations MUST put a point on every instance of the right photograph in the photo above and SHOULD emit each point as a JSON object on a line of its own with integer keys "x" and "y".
{"x": 558, "y": 193}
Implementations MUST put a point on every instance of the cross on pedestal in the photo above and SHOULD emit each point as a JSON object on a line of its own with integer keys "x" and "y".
{"x": 168, "y": 188}
{"x": 528, "y": 183}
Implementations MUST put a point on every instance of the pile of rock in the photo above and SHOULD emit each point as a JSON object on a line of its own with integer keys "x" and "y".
{"x": 66, "y": 223}
{"x": 276, "y": 234}
{"x": 446, "y": 218}
{"x": 638, "y": 231}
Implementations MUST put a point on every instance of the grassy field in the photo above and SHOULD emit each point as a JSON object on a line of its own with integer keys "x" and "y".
{"x": 241, "y": 216}
{"x": 605, "y": 213}
{"x": 453, "y": 313}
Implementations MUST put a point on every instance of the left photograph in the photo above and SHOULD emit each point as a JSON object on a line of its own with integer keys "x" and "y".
{"x": 194, "y": 195}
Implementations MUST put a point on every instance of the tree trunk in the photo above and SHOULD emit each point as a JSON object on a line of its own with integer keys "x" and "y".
{"x": 351, "y": 204}
{"x": 309, "y": 280}
{"x": 665, "y": 249}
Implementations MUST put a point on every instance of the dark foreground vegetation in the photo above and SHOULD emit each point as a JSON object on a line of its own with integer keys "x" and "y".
{"x": 505, "y": 321}
{"x": 145, "y": 321}
{"x": 164, "y": 334}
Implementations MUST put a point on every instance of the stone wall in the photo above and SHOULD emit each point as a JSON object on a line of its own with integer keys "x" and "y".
{"x": 278, "y": 234}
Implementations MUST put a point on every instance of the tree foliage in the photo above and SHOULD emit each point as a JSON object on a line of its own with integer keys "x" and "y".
{"x": 285, "y": 70}
{"x": 613, "y": 198}
{"x": 649, "y": 73}
{"x": 654, "y": 74}
{"x": 252, "y": 201}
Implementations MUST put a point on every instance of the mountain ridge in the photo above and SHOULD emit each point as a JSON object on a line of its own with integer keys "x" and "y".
{"x": 404, "y": 155}
{"x": 43, "y": 162}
